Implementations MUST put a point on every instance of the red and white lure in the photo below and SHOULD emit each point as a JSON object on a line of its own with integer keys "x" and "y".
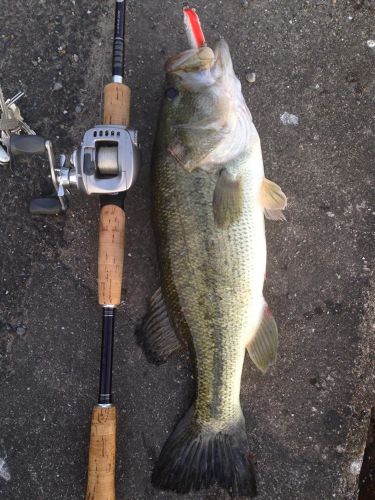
{"x": 193, "y": 28}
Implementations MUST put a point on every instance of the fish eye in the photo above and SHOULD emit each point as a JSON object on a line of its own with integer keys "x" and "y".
{"x": 171, "y": 93}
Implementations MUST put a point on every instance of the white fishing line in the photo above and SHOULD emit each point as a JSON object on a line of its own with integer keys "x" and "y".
{"x": 107, "y": 160}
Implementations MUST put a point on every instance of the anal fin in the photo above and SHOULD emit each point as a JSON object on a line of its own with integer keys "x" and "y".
{"x": 156, "y": 335}
{"x": 262, "y": 348}
{"x": 273, "y": 200}
{"x": 228, "y": 200}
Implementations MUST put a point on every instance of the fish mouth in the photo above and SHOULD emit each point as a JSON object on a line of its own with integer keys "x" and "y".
{"x": 192, "y": 60}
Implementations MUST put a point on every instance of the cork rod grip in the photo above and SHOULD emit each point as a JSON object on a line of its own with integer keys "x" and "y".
{"x": 111, "y": 254}
{"x": 112, "y": 217}
{"x": 117, "y": 104}
{"x": 101, "y": 471}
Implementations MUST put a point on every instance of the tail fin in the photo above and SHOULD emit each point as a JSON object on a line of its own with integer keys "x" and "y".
{"x": 194, "y": 458}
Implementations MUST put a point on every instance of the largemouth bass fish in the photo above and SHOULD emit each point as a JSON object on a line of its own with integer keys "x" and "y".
{"x": 209, "y": 201}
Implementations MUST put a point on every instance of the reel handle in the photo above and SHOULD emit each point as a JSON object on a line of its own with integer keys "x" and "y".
{"x": 50, "y": 205}
{"x": 27, "y": 144}
{"x": 36, "y": 144}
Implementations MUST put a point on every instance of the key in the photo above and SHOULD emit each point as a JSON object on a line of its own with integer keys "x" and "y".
{"x": 25, "y": 127}
{"x": 2, "y": 103}
{"x": 11, "y": 122}
{"x": 15, "y": 121}
{"x": 12, "y": 119}
{"x": 15, "y": 111}
{"x": 4, "y": 157}
{"x": 14, "y": 99}
{"x": 7, "y": 121}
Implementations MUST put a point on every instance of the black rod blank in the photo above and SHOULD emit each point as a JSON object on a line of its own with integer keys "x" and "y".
{"x": 105, "y": 390}
{"x": 119, "y": 42}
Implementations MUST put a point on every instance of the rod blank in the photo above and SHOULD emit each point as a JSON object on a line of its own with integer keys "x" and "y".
{"x": 119, "y": 42}
{"x": 105, "y": 390}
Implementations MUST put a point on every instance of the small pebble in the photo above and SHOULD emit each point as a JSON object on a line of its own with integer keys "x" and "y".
{"x": 250, "y": 77}
{"x": 355, "y": 467}
{"x": 75, "y": 58}
{"x": 58, "y": 86}
{"x": 21, "y": 330}
{"x": 289, "y": 119}
{"x": 78, "y": 109}
{"x": 371, "y": 44}
{"x": 4, "y": 471}
{"x": 244, "y": 3}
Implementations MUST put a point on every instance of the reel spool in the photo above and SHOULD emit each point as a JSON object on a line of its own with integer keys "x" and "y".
{"x": 107, "y": 161}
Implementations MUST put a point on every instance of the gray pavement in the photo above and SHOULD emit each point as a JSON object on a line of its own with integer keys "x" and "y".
{"x": 307, "y": 418}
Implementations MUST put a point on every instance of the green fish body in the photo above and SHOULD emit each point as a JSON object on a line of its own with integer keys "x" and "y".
{"x": 209, "y": 200}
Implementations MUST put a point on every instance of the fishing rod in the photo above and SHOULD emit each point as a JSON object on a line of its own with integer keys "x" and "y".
{"x": 106, "y": 163}
{"x": 102, "y": 452}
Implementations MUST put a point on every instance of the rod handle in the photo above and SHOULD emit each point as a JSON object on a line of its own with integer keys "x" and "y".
{"x": 111, "y": 254}
{"x": 102, "y": 454}
{"x": 117, "y": 104}
{"x": 112, "y": 217}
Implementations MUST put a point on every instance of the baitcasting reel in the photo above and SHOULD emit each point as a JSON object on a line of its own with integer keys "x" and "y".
{"x": 106, "y": 162}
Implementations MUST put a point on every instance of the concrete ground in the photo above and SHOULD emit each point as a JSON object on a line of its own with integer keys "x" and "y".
{"x": 307, "y": 418}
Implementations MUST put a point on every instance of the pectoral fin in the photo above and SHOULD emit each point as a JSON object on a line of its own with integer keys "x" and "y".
{"x": 262, "y": 348}
{"x": 227, "y": 200}
{"x": 273, "y": 200}
{"x": 156, "y": 335}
